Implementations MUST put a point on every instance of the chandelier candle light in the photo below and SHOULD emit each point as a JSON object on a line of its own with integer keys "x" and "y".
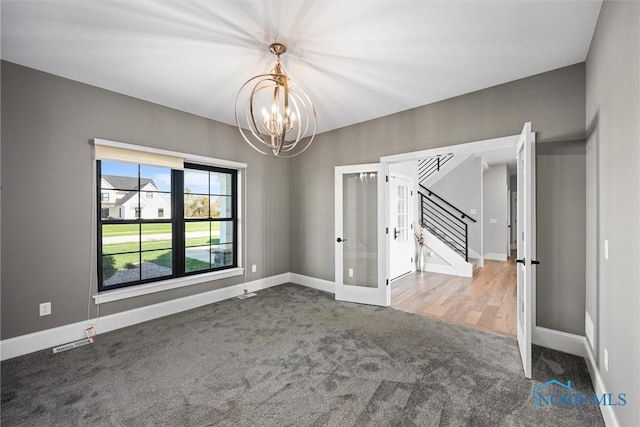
{"x": 286, "y": 124}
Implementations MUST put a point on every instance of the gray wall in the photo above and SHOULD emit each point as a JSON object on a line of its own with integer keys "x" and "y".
{"x": 47, "y": 123}
{"x": 553, "y": 102}
{"x": 462, "y": 187}
{"x": 494, "y": 195}
{"x": 560, "y": 212}
{"x": 613, "y": 112}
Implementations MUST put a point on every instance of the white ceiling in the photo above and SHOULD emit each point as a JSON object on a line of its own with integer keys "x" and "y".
{"x": 358, "y": 60}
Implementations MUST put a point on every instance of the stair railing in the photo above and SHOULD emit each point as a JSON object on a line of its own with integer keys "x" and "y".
{"x": 427, "y": 167}
{"x": 445, "y": 221}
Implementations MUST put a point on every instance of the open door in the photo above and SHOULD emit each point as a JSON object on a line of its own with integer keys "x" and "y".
{"x": 401, "y": 241}
{"x": 360, "y": 224}
{"x": 526, "y": 241}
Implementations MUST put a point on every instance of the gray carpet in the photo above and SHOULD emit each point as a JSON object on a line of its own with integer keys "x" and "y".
{"x": 291, "y": 356}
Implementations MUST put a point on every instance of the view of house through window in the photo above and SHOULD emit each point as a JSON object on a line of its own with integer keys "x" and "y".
{"x": 148, "y": 231}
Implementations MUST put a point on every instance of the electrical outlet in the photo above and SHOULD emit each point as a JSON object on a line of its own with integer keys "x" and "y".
{"x": 45, "y": 309}
{"x": 473, "y": 211}
{"x": 606, "y": 249}
{"x": 493, "y": 221}
{"x": 606, "y": 359}
{"x": 351, "y": 272}
{"x": 254, "y": 268}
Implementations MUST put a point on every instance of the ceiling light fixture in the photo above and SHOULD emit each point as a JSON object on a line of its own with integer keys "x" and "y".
{"x": 280, "y": 117}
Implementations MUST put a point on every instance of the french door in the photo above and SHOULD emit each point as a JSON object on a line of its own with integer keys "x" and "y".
{"x": 526, "y": 240}
{"x": 360, "y": 226}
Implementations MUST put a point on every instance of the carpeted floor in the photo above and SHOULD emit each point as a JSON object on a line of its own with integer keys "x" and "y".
{"x": 291, "y": 356}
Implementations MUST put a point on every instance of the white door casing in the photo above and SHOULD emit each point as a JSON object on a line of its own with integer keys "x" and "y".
{"x": 361, "y": 261}
{"x": 514, "y": 219}
{"x": 526, "y": 245}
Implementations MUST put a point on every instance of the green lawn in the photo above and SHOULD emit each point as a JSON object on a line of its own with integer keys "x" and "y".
{"x": 115, "y": 230}
{"x": 118, "y": 248}
{"x": 115, "y": 256}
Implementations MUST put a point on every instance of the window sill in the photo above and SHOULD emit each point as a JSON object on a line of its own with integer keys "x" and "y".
{"x": 165, "y": 285}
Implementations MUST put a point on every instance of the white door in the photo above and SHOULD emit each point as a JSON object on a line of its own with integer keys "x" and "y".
{"x": 526, "y": 240}
{"x": 401, "y": 246}
{"x": 360, "y": 241}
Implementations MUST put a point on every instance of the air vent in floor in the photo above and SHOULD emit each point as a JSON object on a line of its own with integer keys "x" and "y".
{"x": 71, "y": 345}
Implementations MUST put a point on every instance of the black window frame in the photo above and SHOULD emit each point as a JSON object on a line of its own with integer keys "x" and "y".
{"x": 233, "y": 219}
{"x": 177, "y": 222}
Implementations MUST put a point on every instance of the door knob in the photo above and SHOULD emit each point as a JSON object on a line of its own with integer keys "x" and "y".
{"x": 340, "y": 240}
{"x": 395, "y": 233}
{"x": 522, "y": 261}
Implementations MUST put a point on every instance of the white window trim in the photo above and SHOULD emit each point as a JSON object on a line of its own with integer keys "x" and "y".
{"x": 179, "y": 282}
{"x": 165, "y": 285}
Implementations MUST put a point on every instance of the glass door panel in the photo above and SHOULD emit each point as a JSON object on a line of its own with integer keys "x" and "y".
{"x": 360, "y": 222}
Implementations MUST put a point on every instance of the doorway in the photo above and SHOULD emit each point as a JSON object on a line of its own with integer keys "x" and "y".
{"x": 488, "y": 299}
{"x": 379, "y": 293}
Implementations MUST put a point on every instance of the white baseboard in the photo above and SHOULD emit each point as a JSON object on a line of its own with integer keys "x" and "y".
{"x": 495, "y": 256}
{"x": 440, "y": 268}
{"x": 49, "y": 338}
{"x": 589, "y": 328}
{"x": 466, "y": 269}
{"x": 608, "y": 414}
{"x": 558, "y": 340}
{"x": 312, "y": 282}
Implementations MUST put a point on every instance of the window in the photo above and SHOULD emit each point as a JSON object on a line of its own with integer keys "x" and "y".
{"x": 105, "y": 197}
{"x": 193, "y": 231}
{"x": 209, "y": 217}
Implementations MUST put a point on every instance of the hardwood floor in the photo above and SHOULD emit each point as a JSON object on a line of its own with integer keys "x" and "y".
{"x": 486, "y": 301}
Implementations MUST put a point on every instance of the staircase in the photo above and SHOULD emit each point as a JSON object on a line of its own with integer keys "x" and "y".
{"x": 448, "y": 232}
{"x": 432, "y": 165}
{"x": 445, "y": 221}
{"x": 433, "y": 169}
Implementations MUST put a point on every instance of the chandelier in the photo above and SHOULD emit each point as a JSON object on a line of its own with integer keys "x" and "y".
{"x": 275, "y": 115}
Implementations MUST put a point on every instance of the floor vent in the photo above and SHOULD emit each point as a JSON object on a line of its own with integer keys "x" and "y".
{"x": 71, "y": 345}
{"x": 245, "y": 296}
